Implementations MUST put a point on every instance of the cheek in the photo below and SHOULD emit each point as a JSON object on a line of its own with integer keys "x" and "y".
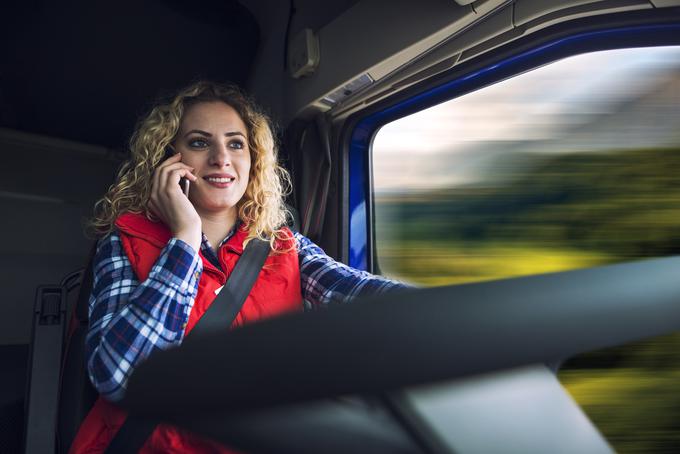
{"x": 191, "y": 160}
{"x": 245, "y": 169}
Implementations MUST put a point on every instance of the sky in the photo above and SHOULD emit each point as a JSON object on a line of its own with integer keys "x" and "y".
{"x": 536, "y": 105}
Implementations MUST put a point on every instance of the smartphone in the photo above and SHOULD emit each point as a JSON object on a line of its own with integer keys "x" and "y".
{"x": 184, "y": 184}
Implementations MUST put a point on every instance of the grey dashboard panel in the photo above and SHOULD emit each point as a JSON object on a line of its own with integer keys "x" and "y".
{"x": 520, "y": 411}
{"x": 331, "y": 426}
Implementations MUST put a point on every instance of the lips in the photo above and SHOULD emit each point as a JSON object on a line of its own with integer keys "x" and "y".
{"x": 221, "y": 180}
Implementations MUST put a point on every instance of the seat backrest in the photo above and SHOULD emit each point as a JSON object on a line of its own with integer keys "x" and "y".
{"x": 77, "y": 395}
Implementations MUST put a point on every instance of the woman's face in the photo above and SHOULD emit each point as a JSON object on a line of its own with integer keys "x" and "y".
{"x": 213, "y": 140}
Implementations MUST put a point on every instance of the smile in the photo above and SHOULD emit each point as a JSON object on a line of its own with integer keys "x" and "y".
{"x": 219, "y": 180}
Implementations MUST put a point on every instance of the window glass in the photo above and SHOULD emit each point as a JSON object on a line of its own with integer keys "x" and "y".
{"x": 571, "y": 165}
{"x": 631, "y": 393}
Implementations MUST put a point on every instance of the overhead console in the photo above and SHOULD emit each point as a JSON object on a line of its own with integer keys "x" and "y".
{"x": 371, "y": 50}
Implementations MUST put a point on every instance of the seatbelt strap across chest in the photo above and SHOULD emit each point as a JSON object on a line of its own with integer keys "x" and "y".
{"x": 230, "y": 299}
{"x": 135, "y": 431}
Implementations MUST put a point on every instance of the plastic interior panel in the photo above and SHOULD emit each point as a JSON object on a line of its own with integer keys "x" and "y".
{"x": 44, "y": 367}
{"x": 665, "y": 3}
{"x": 528, "y": 10}
{"x": 520, "y": 411}
{"x": 330, "y": 427}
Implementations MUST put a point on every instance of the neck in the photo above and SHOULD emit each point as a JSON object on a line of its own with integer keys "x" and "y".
{"x": 217, "y": 226}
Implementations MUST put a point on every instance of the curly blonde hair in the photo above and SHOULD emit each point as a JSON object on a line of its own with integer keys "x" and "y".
{"x": 261, "y": 209}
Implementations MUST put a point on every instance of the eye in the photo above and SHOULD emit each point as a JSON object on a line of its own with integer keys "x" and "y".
{"x": 198, "y": 143}
{"x": 237, "y": 144}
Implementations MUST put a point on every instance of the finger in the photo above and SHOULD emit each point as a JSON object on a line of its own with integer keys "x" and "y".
{"x": 173, "y": 158}
{"x": 190, "y": 175}
{"x": 154, "y": 209}
{"x": 163, "y": 177}
{"x": 172, "y": 167}
{"x": 165, "y": 163}
{"x": 155, "y": 183}
{"x": 168, "y": 161}
{"x": 173, "y": 176}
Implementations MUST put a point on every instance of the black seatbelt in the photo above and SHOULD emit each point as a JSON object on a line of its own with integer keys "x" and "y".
{"x": 229, "y": 301}
{"x": 221, "y": 313}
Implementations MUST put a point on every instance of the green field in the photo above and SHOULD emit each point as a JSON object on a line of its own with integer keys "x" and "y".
{"x": 562, "y": 212}
{"x": 427, "y": 264}
{"x": 636, "y": 408}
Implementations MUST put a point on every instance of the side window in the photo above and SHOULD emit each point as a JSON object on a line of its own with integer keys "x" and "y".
{"x": 574, "y": 164}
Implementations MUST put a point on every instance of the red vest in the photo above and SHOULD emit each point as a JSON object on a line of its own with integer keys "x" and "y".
{"x": 276, "y": 291}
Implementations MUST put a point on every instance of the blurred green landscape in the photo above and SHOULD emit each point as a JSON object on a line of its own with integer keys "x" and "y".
{"x": 546, "y": 212}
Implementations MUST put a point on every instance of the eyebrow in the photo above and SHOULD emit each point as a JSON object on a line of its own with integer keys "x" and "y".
{"x": 207, "y": 134}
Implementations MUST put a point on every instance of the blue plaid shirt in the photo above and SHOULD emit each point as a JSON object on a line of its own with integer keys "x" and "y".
{"x": 129, "y": 319}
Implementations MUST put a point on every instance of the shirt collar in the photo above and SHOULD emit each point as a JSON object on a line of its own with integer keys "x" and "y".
{"x": 207, "y": 249}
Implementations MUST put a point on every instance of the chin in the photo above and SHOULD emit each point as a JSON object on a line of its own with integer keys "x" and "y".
{"x": 213, "y": 206}
{"x": 226, "y": 206}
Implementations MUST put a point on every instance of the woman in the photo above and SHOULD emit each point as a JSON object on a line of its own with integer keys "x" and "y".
{"x": 202, "y": 180}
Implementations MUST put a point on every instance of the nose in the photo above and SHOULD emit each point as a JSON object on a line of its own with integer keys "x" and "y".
{"x": 219, "y": 156}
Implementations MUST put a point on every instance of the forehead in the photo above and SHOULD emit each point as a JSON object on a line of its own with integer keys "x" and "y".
{"x": 212, "y": 117}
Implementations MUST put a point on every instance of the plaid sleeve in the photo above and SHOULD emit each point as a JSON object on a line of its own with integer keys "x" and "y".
{"x": 325, "y": 280}
{"x": 128, "y": 319}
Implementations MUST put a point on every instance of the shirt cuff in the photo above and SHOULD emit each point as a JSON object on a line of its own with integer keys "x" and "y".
{"x": 180, "y": 267}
